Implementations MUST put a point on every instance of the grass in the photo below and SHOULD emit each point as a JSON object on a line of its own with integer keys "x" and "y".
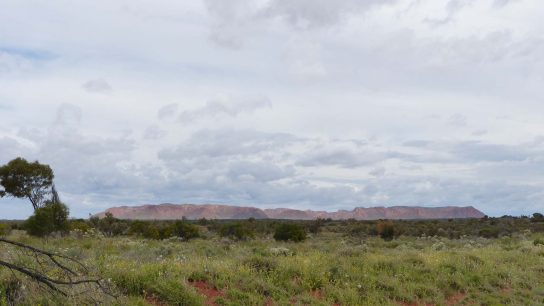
{"x": 327, "y": 269}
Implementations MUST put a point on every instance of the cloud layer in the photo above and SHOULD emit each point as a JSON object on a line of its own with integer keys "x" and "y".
{"x": 303, "y": 104}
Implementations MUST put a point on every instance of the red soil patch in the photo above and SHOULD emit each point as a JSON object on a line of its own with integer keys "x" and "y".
{"x": 455, "y": 299}
{"x": 154, "y": 300}
{"x": 317, "y": 294}
{"x": 211, "y": 293}
{"x": 450, "y": 301}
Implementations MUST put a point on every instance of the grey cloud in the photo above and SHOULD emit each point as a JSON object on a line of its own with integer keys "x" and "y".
{"x": 167, "y": 111}
{"x": 377, "y": 172}
{"x": 471, "y": 151}
{"x": 478, "y": 151}
{"x": 452, "y": 8}
{"x": 417, "y": 143}
{"x": 259, "y": 171}
{"x": 154, "y": 132}
{"x": 11, "y": 148}
{"x": 502, "y": 3}
{"x": 231, "y": 21}
{"x": 457, "y": 120}
{"x": 229, "y": 108}
{"x": 68, "y": 114}
{"x": 231, "y": 142}
{"x": 330, "y": 155}
{"x": 306, "y": 14}
{"x": 97, "y": 86}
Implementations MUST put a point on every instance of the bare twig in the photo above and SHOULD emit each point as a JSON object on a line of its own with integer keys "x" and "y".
{"x": 68, "y": 277}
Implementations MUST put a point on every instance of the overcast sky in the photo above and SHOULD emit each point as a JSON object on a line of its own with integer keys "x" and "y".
{"x": 280, "y": 103}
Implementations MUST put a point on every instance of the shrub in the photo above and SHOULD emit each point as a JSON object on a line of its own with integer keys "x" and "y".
{"x": 489, "y": 232}
{"x": 144, "y": 229}
{"x": 5, "y": 229}
{"x": 185, "y": 230}
{"x": 315, "y": 226}
{"x": 538, "y": 241}
{"x": 79, "y": 225}
{"x": 290, "y": 232}
{"x": 386, "y": 229}
{"x": 236, "y": 230}
{"x": 537, "y": 217}
{"x": 109, "y": 225}
{"x": 52, "y": 217}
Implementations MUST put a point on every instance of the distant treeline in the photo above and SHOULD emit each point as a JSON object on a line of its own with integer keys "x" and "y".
{"x": 297, "y": 230}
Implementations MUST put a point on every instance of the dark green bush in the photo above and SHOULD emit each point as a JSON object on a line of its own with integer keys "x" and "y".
{"x": 52, "y": 217}
{"x": 236, "y": 230}
{"x": 109, "y": 225}
{"x": 290, "y": 232}
{"x": 489, "y": 232}
{"x": 145, "y": 229}
{"x": 185, "y": 230}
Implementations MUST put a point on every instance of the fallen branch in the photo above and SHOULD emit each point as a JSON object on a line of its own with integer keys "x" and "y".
{"x": 40, "y": 276}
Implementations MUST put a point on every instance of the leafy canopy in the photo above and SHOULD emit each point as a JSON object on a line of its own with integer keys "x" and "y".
{"x": 21, "y": 179}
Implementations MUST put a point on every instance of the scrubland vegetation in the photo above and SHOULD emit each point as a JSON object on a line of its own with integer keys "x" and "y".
{"x": 491, "y": 261}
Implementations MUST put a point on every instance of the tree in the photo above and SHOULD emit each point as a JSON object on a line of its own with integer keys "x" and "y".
{"x": 21, "y": 179}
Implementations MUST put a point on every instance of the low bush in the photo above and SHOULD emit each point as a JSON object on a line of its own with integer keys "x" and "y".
{"x": 53, "y": 217}
{"x": 5, "y": 229}
{"x": 109, "y": 225}
{"x": 79, "y": 225}
{"x": 290, "y": 232}
{"x": 185, "y": 230}
{"x": 236, "y": 230}
{"x": 385, "y": 229}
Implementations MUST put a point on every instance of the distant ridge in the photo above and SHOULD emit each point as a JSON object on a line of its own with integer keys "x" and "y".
{"x": 212, "y": 211}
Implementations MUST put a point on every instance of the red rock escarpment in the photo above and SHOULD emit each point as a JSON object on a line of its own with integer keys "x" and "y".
{"x": 209, "y": 211}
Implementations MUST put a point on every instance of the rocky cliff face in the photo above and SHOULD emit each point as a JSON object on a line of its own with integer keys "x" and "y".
{"x": 208, "y": 211}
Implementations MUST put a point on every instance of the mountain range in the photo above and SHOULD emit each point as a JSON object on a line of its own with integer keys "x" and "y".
{"x": 213, "y": 211}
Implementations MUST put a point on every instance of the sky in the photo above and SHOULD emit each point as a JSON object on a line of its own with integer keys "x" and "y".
{"x": 308, "y": 104}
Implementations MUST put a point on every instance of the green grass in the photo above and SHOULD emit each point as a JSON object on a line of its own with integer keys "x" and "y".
{"x": 326, "y": 269}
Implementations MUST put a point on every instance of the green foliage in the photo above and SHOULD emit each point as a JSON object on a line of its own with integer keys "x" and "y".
{"x": 316, "y": 225}
{"x": 489, "y": 232}
{"x": 538, "y": 241}
{"x": 144, "y": 229}
{"x": 21, "y": 179}
{"x": 236, "y": 230}
{"x": 109, "y": 226}
{"x": 290, "y": 232}
{"x": 164, "y": 230}
{"x": 79, "y": 225}
{"x": 52, "y": 217}
{"x": 185, "y": 230}
{"x": 537, "y": 217}
{"x": 5, "y": 229}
